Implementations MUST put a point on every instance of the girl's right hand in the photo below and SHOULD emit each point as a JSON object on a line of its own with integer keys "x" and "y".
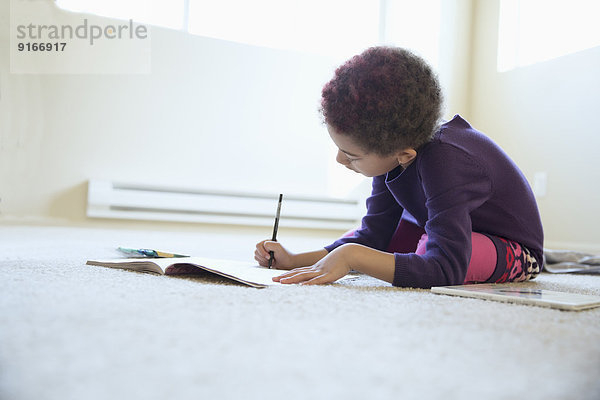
{"x": 282, "y": 258}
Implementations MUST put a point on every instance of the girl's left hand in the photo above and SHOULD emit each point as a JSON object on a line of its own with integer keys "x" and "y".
{"x": 329, "y": 269}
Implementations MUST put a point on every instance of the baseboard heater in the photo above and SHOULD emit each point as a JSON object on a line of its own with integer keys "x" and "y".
{"x": 107, "y": 199}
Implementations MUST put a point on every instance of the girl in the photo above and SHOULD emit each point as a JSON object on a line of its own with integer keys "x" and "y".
{"x": 447, "y": 207}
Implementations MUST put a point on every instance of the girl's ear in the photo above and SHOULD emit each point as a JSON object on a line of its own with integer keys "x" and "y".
{"x": 406, "y": 156}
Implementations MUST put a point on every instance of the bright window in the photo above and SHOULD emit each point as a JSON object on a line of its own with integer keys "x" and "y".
{"x": 168, "y": 13}
{"x": 337, "y": 28}
{"x": 532, "y": 31}
{"x": 414, "y": 25}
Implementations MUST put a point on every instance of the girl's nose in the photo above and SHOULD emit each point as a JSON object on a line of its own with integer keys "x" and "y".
{"x": 341, "y": 158}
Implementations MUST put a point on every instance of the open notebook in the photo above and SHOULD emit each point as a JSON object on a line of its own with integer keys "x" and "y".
{"x": 243, "y": 272}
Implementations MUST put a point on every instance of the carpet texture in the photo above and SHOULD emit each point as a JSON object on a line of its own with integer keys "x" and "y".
{"x": 71, "y": 331}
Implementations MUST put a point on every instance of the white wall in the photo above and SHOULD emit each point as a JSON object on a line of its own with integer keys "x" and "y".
{"x": 212, "y": 114}
{"x": 546, "y": 117}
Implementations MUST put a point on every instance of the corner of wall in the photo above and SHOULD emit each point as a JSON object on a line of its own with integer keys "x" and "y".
{"x": 471, "y": 8}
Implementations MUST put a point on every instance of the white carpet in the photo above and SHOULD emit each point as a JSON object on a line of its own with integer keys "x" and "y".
{"x": 71, "y": 331}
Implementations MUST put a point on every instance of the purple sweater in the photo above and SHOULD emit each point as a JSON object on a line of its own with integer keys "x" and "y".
{"x": 460, "y": 182}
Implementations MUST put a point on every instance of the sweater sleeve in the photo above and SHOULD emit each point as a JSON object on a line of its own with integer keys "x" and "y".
{"x": 454, "y": 185}
{"x": 380, "y": 222}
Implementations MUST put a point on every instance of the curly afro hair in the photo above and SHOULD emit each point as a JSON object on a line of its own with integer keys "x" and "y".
{"x": 386, "y": 99}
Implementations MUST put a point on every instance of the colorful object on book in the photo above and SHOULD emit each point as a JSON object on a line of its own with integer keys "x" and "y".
{"x": 149, "y": 253}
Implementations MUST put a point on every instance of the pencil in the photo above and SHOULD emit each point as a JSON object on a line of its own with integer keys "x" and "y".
{"x": 275, "y": 228}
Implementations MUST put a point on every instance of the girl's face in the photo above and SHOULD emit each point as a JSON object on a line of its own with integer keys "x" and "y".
{"x": 356, "y": 159}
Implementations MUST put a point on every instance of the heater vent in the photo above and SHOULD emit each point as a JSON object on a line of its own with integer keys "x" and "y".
{"x": 119, "y": 200}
